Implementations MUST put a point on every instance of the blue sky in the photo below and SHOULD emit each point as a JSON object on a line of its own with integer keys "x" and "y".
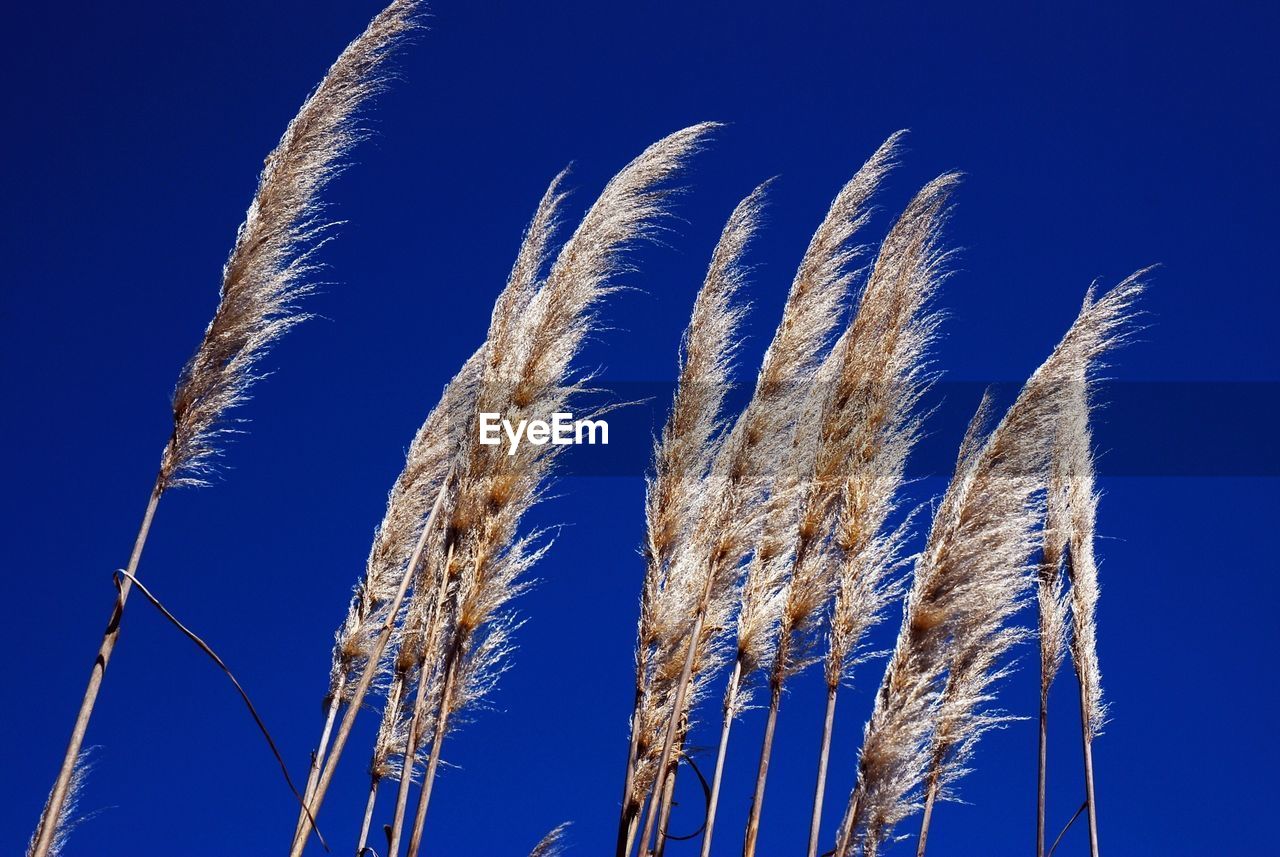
{"x": 1095, "y": 140}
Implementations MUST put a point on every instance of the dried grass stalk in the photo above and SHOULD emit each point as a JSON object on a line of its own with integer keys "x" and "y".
{"x": 871, "y": 424}
{"x": 1082, "y": 511}
{"x": 968, "y": 581}
{"x": 267, "y": 272}
{"x": 1051, "y": 628}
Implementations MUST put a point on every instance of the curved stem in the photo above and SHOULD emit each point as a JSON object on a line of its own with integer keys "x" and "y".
{"x": 677, "y": 706}
{"x": 58, "y": 796}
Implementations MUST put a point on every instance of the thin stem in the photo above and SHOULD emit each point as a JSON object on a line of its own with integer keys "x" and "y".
{"x": 729, "y": 706}
{"x": 627, "y": 816}
{"x": 331, "y": 714}
{"x": 677, "y": 706}
{"x": 406, "y": 768}
{"x": 442, "y": 725}
{"x": 58, "y": 796}
{"x": 664, "y": 817}
{"x": 848, "y": 825}
{"x": 423, "y": 699}
{"x": 1042, "y": 771}
{"x": 1063, "y": 832}
{"x": 370, "y": 670}
{"x": 368, "y": 816}
{"x": 824, "y": 756}
{"x": 633, "y": 827}
{"x": 931, "y": 796}
{"x": 762, "y": 773}
{"x": 1087, "y": 742}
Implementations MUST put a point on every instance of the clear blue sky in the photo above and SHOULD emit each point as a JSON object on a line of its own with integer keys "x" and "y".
{"x": 1096, "y": 140}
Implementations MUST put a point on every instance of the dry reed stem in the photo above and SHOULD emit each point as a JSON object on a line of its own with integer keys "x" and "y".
{"x": 262, "y": 280}
{"x": 968, "y": 581}
{"x": 1051, "y": 619}
{"x": 1082, "y": 569}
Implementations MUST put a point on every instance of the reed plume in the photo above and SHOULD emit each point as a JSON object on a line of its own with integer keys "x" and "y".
{"x": 268, "y": 271}
{"x": 745, "y": 466}
{"x": 551, "y": 845}
{"x": 683, "y": 457}
{"x": 968, "y": 582}
{"x": 1051, "y": 601}
{"x": 1082, "y": 569}
{"x": 870, "y": 426}
{"x": 486, "y": 564}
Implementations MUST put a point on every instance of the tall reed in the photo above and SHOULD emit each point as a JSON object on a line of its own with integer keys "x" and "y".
{"x": 682, "y": 458}
{"x": 1051, "y": 601}
{"x": 968, "y": 582}
{"x": 267, "y": 272}
{"x": 870, "y": 428}
{"x": 1082, "y": 570}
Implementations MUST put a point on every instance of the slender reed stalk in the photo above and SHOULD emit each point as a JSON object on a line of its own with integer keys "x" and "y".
{"x": 864, "y": 429}
{"x": 824, "y": 758}
{"x": 705, "y": 579}
{"x": 331, "y": 706}
{"x": 267, "y": 272}
{"x": 1082, "y": 571}
{"x": 968, "y": 582}
{"x": 682, "y": 458}
{"x": 1052, "y": 620}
